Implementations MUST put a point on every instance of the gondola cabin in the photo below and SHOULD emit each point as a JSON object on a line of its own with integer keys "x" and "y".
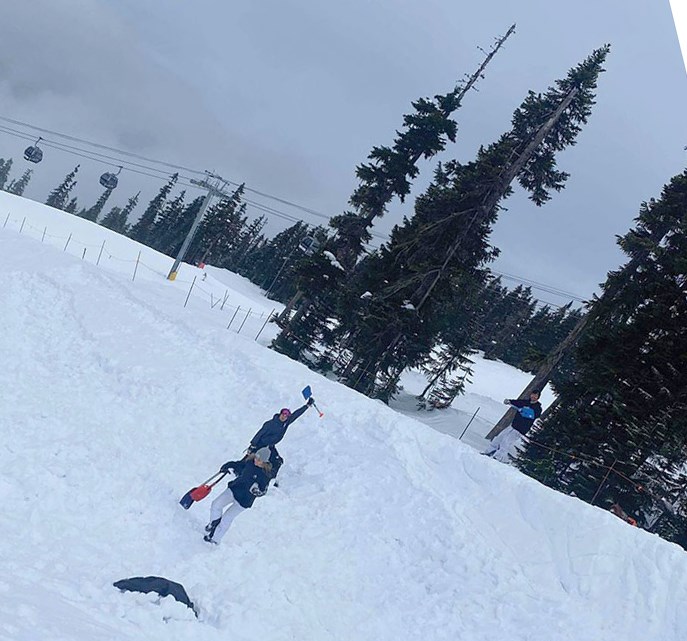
{"x": 33, "y": 153}
{"x": 109, "y": 180}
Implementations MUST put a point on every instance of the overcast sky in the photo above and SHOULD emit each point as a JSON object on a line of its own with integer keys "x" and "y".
{"x": 290, "y": 96}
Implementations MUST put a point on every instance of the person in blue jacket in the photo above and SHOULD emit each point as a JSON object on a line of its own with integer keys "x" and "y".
{"x": 273, "y": 431}
{"x": 528, "y": 411}
{"x": 253, "y": 475}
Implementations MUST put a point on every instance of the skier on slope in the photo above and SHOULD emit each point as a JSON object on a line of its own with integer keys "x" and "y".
{"x": 528, "y": 411}
{"x": 273, "y": 431}
{"x": 253, "y": 474}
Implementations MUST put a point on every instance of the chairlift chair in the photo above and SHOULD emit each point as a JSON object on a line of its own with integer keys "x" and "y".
{"x": 109, "y": 180}
{"x": 34, "y": 153}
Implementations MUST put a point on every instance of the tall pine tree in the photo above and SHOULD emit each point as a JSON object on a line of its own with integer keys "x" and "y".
{"x": 94, "y": 211}
{"x": 59, "y": 197}
{"x": 18, "y": 186}
{"x": 626, "y": 408}
{"x": 5, "y": 167}
{"x": 446, "y": 240}
{"x": 143, "y": 228}
{"x": 389, "y": 173}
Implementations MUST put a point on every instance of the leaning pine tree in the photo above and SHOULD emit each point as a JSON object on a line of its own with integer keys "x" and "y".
{"x": 414, "y": 274}
{"x": 388, "y": 175}
{"x": 623, "y": 417}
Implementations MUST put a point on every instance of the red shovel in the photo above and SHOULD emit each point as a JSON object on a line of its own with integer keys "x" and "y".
{"x": 200, "y": 492}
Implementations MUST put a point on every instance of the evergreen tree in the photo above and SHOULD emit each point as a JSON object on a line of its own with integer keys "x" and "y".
{"x": 624, "y": 415}
{"x": 117, "y": 218}
{"x": 18, "y": 186}
{"x": 388, "y": 175}
{"x": 5, "y": 167}
{"x": 142, "y": 229}
{"x": 273, "y": 263}
{"x": 518, "y": 309}
{"x": 59, "y": 196}
{"x": 93, "y": 212}
{"x": 71, "y": 206}
{"x": 250, "y": 239}
{"x": 165, "y": 234}
{"x": 183, "y": 226}
{"x": 412, "y": 276}
{"x": 218, "y": 234}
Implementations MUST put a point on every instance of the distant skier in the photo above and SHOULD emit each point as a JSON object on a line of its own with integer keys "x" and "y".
{"x": 253, "y": 475}
{"x": 273, "y": 431}
{"x": 528, "y": 412}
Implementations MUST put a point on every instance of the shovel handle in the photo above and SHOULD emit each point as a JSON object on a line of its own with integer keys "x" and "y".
{"x": 221, "y": 476}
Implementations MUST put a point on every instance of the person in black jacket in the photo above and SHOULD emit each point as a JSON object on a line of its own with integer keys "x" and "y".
{"x": 273, "y": 431}
{"x": 253, "y": 475}
{"x": 528, "y": 412}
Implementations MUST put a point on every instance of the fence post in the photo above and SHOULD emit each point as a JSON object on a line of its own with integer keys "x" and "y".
{"x": 265, "y": 323}
{"x": 22, "y": 224}
{"x": 244, "y": 320}
{"x": 67, "y": 243}
{"x": 45, "y": 229}
{"x": 233, "y": 317}
{"x": 97, "y": 262}
{"x": 190, "y": 290}
{"x": 468, "y": 425}
{"x": 136, "y": 266}
{"x": 6, "y": 219}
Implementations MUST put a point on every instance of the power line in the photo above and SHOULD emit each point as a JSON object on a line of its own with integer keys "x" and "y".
{"x": 122, "y": 152}
{"x": 185, "y": 181}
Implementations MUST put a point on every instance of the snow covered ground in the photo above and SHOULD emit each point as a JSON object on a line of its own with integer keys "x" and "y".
{"x": 116, "y": 399}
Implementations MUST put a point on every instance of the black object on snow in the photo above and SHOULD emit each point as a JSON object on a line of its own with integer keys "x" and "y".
{"x": 158, "y": 584}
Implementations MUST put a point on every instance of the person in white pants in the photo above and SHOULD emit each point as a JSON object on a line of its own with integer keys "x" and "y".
{"x": 528, "y": 411}
{"x": 225, "y": 519}
{"x": 253, "y": 475}
{"x": 502, "y": 444}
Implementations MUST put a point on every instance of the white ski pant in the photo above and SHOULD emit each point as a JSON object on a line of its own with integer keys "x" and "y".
{"x": 217, "y": 509}
{"x": 504, "y": 444}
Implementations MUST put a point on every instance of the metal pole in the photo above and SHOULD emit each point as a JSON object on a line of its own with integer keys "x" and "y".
{"x": 233, "y": 317}
{"x": 189, "y": 291}
{"x": 189, "y": 237}
{"x": 244, "y": 320}
{"x": 44, "y": 230}
{"x": 136, "y": 266}
{"x": 97, "y": 262}
{"x": 6, "y": 219}
{"x": 468, "y": 425}
{"x": 67, "y": 243}
{"x": 22, "y": 225}
{"x": 265, "y": 323}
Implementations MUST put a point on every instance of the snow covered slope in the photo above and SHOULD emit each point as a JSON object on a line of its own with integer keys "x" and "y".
{"x": 116, "y": 399}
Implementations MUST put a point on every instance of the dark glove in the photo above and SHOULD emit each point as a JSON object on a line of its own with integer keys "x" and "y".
{"x": 226, "y": 468}
{"x": 506, "y": 401}
{"x": 311, "y": 401}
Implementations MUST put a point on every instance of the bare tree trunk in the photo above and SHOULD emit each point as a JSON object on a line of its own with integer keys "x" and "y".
{"x": 543, "y": 375}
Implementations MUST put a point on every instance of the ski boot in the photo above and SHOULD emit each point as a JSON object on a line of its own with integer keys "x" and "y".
{"x": 210, "y": 529}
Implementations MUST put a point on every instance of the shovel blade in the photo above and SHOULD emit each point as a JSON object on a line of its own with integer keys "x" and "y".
{"x": 186, "y": 500}
{"x": 200, "y": 492}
